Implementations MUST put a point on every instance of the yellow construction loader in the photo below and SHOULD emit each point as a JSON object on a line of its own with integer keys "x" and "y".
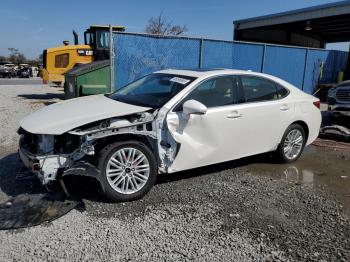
{"x": 58, "y": 60}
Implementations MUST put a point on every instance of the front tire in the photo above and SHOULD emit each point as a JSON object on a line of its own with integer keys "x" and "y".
{"x": 292, "y": 144}
{"x": 128, "y": 170}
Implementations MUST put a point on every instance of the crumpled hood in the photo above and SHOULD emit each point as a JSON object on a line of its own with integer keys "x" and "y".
{"x": 64, "y": 116}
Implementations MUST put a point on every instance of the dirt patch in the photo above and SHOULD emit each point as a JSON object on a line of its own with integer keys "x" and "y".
{"x": 344, "y": 147}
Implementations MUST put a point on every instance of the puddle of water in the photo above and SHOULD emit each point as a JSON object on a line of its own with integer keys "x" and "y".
{"x": 319, "y": 168}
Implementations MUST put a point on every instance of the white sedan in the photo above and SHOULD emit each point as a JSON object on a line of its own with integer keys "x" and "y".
{"x": 165, "y": 122}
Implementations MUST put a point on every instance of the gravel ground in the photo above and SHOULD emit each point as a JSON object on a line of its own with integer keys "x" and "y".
{"x": 218, "y": 213}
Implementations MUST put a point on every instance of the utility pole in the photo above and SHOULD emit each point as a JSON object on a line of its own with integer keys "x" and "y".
{"x": 347, "y": 68}
{"x": 111, "y": 60}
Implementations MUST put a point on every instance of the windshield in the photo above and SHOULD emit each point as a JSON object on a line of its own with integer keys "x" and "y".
{"x": 153, "y": 90}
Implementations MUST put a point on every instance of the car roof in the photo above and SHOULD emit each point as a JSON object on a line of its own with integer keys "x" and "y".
{"x": 200, "y": 72}
{"x": 204, "y": 73}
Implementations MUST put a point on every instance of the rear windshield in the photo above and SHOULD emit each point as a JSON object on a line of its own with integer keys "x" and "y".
{"x": 153, "y": 90}
{"x": 346, "y": 83}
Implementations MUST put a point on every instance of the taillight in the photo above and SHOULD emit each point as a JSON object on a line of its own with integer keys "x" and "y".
{"x": 317, "y": 104}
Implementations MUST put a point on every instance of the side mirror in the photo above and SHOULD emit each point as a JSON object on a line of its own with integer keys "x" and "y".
{"x": 194, "y": 107}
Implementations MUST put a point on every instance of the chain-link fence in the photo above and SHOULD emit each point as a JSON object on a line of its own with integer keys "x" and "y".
{"x": 139, "y": 54}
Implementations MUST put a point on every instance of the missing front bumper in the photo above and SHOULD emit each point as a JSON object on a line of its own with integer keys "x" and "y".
{"x": 29, "y": 162}
{"x": 45, "y": 167}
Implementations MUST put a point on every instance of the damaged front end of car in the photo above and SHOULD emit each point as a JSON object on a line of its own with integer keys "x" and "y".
{"x": 51, "y": 157}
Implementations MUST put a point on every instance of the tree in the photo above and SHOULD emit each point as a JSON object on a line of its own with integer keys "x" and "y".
{"x": 37, "y": 61}
{"x": 40, "y": 59}
{"x": 3, "y": 59}
{"x": 16, "y": 57}
{"x": 161, "y": 26}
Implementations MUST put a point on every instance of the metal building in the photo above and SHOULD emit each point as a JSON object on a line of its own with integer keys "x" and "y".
{"x": 309, "y": 27}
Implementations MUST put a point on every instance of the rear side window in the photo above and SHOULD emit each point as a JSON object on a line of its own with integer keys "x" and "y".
{"x": 281, "y": 91}
{"x": 61, "y": 61}
{"x": 257, "y": 89}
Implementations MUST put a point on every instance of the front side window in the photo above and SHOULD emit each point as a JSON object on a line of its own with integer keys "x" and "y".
{"x": 257, "y": 89}
{"x": 61, "y": 61}
{"x": 220, "y": 91}
{"x": 153, "y": 90}
{"x": 102, "y": 39}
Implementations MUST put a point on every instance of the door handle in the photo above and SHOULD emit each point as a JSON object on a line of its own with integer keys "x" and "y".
{"x": 284, "y": 107}
{"x": 234, "y": 115}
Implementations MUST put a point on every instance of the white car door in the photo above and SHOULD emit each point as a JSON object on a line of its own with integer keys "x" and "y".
{"x": 213, "y": 137}
{"x": 266, "y": 114}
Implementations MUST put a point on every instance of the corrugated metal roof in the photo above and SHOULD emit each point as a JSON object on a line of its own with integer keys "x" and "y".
{"x": 314, "y": 12}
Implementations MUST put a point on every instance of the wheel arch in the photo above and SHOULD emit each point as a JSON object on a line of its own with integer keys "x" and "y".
{"x": 150, "y": 142}
{"x": 106, "y": 149}
{"x": 304, "y": 126}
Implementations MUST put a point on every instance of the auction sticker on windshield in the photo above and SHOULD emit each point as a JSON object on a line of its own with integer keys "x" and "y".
{"x": 180, "y": 80}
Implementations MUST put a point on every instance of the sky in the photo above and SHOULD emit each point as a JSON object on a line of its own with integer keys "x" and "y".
{"x": 32, "y": 26}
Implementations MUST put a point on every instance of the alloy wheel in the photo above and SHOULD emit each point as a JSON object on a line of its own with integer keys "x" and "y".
{"x": 293, "y": 144}
{"x": 127, "y": 170}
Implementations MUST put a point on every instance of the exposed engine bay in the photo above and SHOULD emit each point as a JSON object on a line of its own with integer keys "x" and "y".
{"x": 74, "y": 152}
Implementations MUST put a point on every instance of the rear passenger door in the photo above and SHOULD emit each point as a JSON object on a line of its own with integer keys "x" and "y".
{"x": 266, "y": 113}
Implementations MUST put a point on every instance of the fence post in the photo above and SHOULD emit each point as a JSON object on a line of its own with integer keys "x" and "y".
{"x": 263, "y": 60}
{"x": 305, "y": 64}
{"x": 111, "y": 59}
{"x": 200, "y": 52}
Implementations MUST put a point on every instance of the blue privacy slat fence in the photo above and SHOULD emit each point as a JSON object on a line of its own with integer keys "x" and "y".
{"x": 248, "y": 56}
{"x": 139, "y": 54}
{"x": 314, "y": 61}
{"x": 286, "y": 63}
{"x": 222, "y": 54}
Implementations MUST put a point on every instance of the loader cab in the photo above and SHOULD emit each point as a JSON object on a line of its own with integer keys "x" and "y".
{"x": 98, "y": 38}
{"x": 59, "y": 60}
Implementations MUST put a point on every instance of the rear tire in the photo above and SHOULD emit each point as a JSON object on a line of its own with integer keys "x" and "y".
{"x": 292, "y": 144}
{"x": 128, "y": 170}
